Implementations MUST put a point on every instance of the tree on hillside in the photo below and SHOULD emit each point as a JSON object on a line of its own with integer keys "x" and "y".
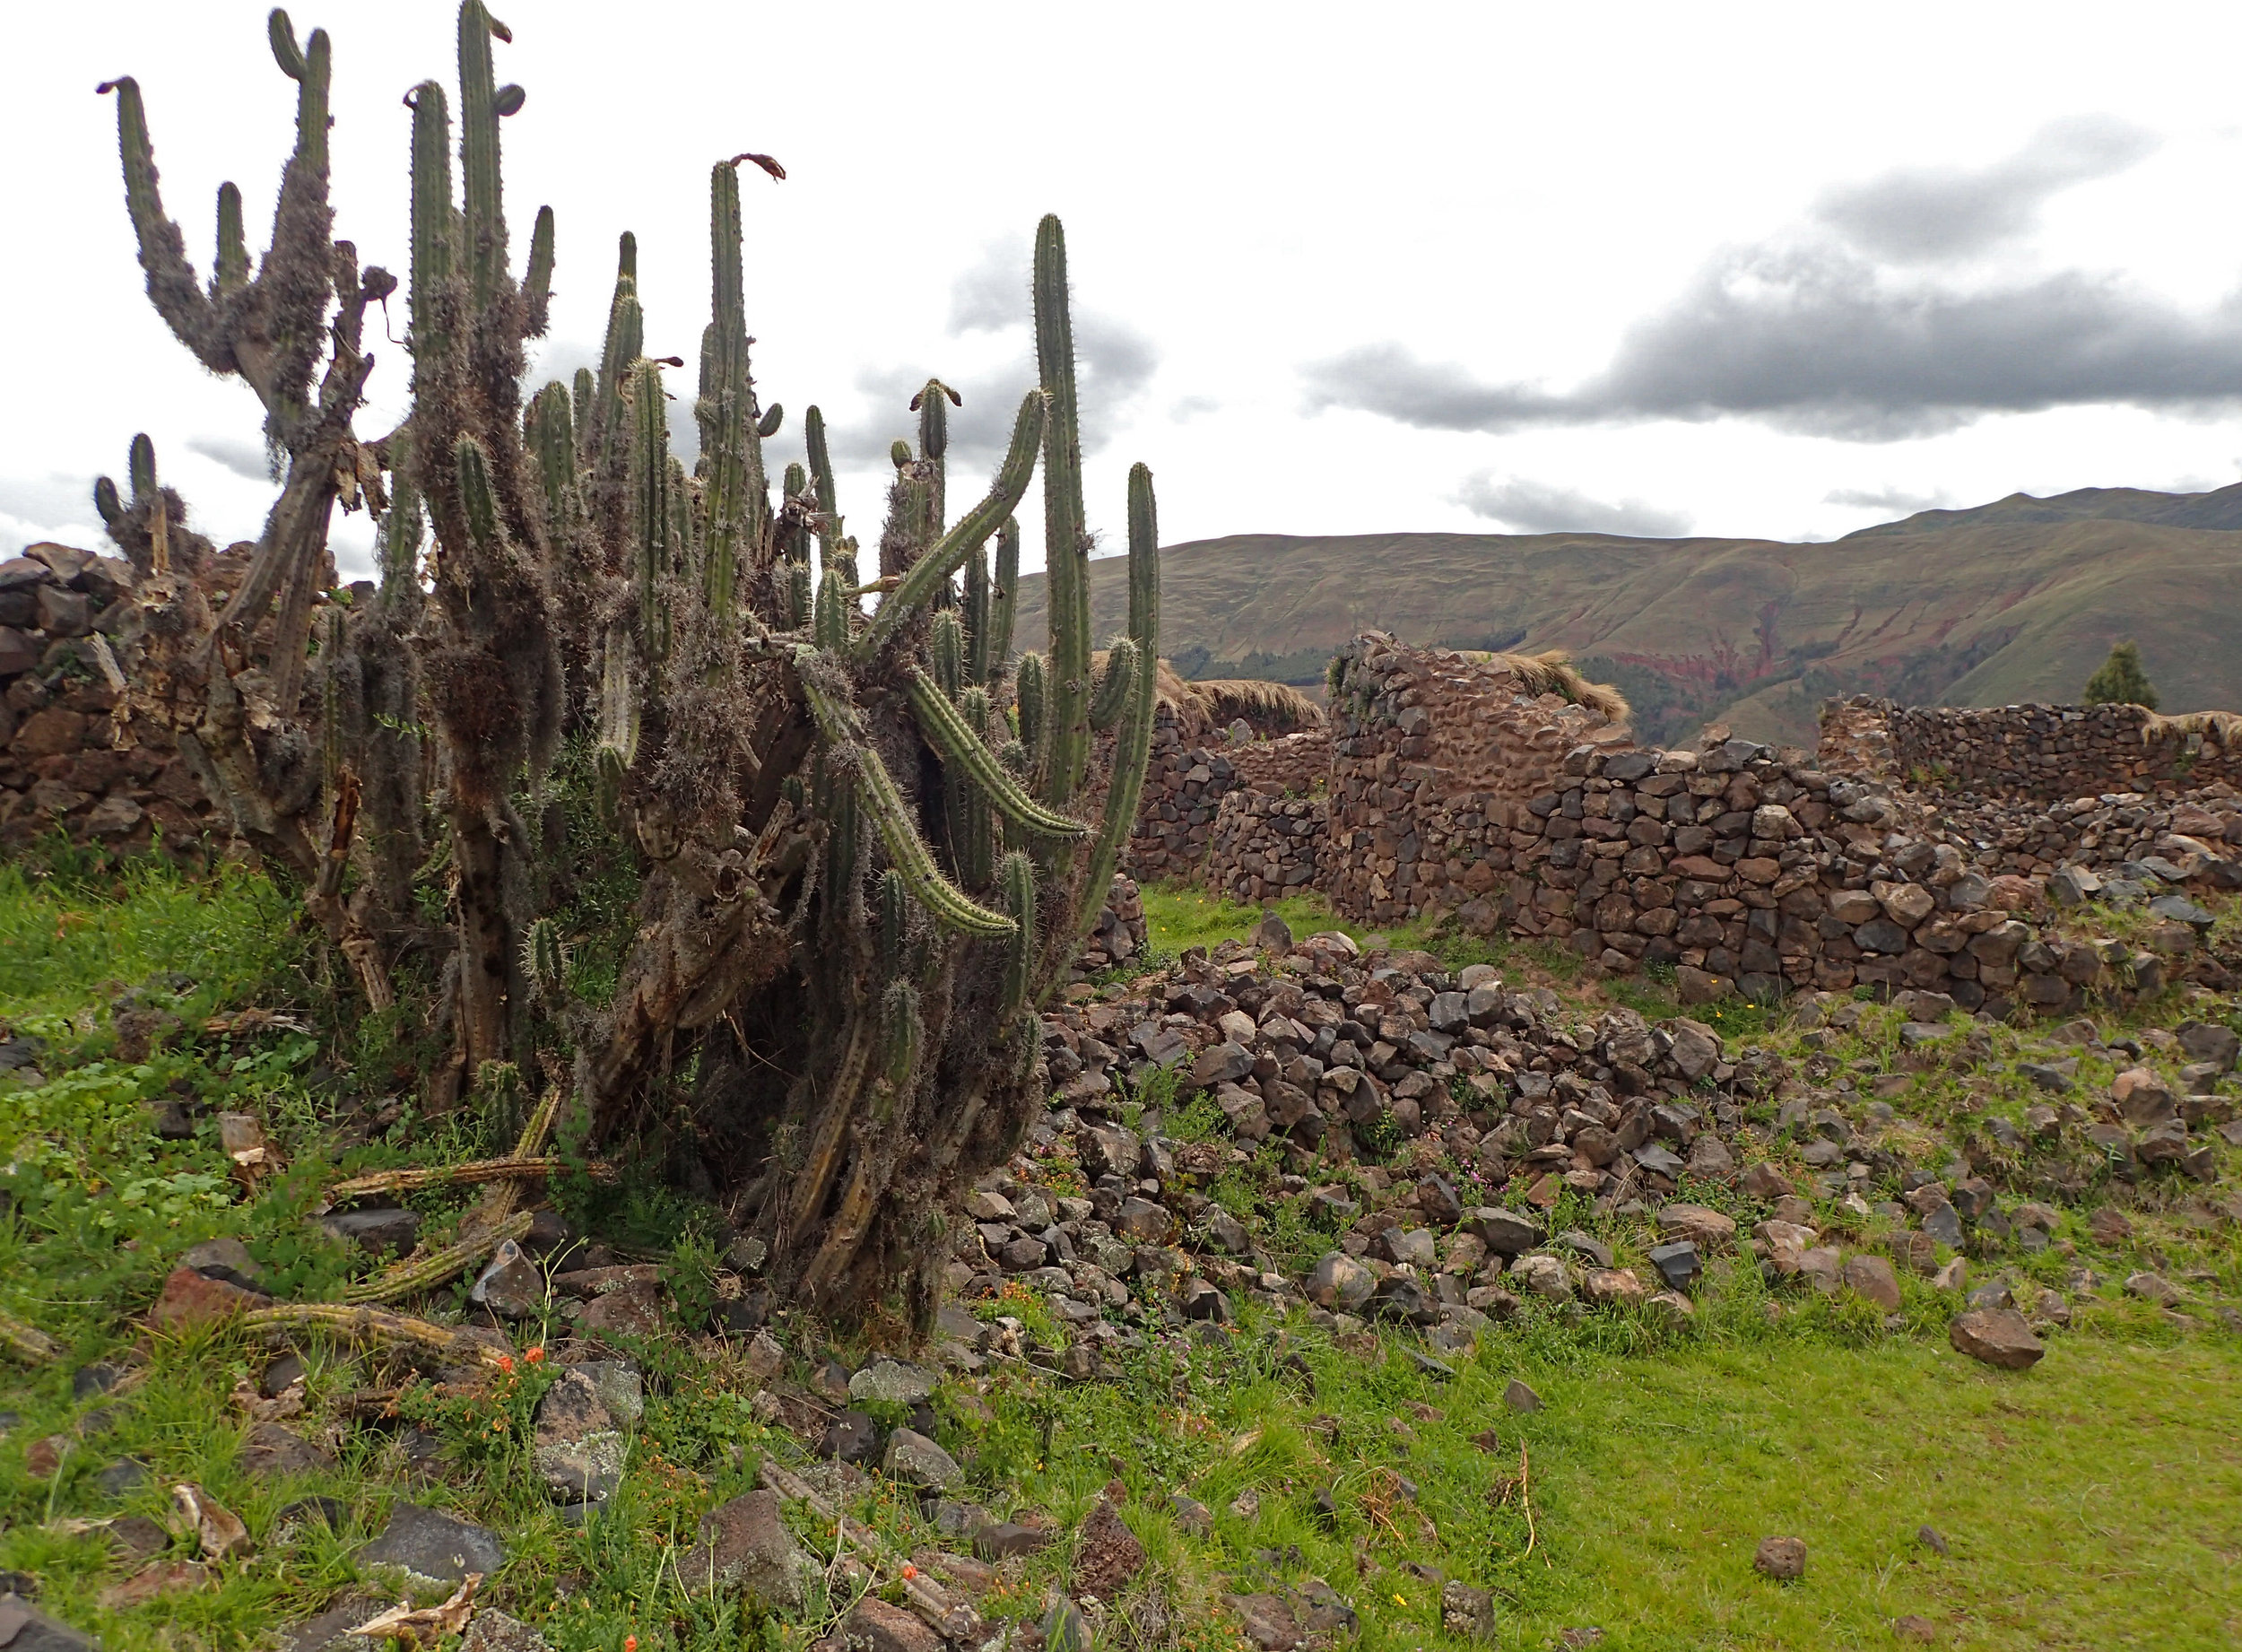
{"x": 2121, "y": 682}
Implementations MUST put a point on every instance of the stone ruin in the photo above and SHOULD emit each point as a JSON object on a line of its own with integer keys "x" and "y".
{"x": 1917, "y": 849}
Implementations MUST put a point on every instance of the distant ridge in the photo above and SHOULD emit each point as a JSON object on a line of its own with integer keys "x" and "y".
{"x": 2016, "y": 600}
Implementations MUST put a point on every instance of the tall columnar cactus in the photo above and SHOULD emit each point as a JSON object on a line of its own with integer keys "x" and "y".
{"x": 854, "y": 826}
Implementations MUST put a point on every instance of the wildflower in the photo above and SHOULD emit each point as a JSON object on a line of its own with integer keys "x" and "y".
{"x": 629, "y": 1643}
{"x": 534, "y": 1355}
{"x": 506, "y": 1363}
{"x": 1399, "y": 1601}
{"x": 909, "y": 1571}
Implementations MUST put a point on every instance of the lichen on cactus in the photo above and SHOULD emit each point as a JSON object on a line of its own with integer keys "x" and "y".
{"x": 854, "y": 830}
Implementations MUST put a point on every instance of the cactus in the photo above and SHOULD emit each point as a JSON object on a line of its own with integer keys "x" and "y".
{"x": 847, "y": 818}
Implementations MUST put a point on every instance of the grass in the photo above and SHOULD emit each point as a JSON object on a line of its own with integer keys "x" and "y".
{"x": 2094, "y": 1501}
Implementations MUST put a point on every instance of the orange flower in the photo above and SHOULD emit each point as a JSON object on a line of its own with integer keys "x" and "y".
{"x": 534, "y": 1355}
{"x": 506, "y": 1363}
{"x": 909, "y": 1571}
{"x": 629, "y": 1643}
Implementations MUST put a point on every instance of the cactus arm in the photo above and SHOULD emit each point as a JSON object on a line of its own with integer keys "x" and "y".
{"x": 1066, "y": 540}
{"x": 233, "y": 272}
{"x": 773, "y": 417}
{"x": 829, "y": 522}
{"x": 626, "y": 338}
{"x": 432, "y": 250}
{"x": 976, "y": 607}
{"x": 1133, "y": 742}
{"x": 1001, "y": 605}
{"x": 537, "y": 281}
{"x": 479, "y": 151}
{"x": 876, "y": 791}
{"x": 1028, "y": 688}
{"x": 945, "y": 646}
{"x": 649, "y": 501}
{"x": 731, "y": 452}
{"x": 1016, "y": 878}
{"x": 1114, "y": 685}
{"x": 932, "y": 571}
{"x": 947, "y": 732}
{"x": 172, "y": 287}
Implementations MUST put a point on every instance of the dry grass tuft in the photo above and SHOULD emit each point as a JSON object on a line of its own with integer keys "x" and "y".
{"x": 2223, "y": 729}
{"x": 1271, "y": 707}
{"x": 1552, "y": 672}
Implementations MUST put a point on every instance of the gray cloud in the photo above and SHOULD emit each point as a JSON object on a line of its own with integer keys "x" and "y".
{"x": 1113, "y": 363}
{"x": 1811, "y": 331}
{"x": 1926, "y": 214}
{"x": 243, "y": 458}
{"x": 1538, "y": 507}
{"x": 54, "y": 506}
{"x": 1895, "y": 500}
{"x": 1812, "y": 339}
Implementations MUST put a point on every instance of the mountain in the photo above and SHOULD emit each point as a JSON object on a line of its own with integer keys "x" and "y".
{"x": 2017, "y": 600}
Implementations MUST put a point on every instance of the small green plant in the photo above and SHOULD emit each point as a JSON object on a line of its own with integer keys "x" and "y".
{"x": 2121, "y": 681}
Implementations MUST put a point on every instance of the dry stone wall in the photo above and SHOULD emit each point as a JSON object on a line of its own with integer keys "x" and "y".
{"x": 1741, "y": 868}
{"x": 66, "y": 763}
{"x": 1187, "y": 778}
{"x": 2052, "y": 754}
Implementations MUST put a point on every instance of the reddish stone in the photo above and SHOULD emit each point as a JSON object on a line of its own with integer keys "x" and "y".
{"x": 190, "y": 1299}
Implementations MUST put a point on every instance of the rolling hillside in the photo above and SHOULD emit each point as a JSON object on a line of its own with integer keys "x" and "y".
{"x": 2013, "y": 601}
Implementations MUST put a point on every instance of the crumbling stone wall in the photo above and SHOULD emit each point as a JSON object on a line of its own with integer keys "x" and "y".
{"x": 66, "y": 762}
{"x": 2048, "y": 752}
{"x": 1266, "y": 845}
{"x": 1187, "y": 777}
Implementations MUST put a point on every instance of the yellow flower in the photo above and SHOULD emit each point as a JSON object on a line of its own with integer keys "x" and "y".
{"x": 1398, "y": 1601}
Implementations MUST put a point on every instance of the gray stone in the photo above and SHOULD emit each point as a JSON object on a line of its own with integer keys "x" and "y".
{"x": 917, "y": 1461}
{"x": 745, "y": 1549}
{"x": 1678, "y": 1264}
{"x": 511, "y": 1284}
{"x": 493, "y": 1631}
{"x": 1340, "y": 1282}
{"x": 1519, "y": 1397}
{"x": 1943, "y": 1224}
{"x": 225, "y": 1258}
{"x": 579, "y": 1450}
{"x": 891, "y": 1382}
{"x": 2219, "y": 1046}
{"x": 2180, "y": 910}
{"x": 1505, "y": 1232}
{"x": 433, "y": 1548}
{"x": 330, "y": 1631}
{"x": 374, "y": 1230}
{"x": 1466, "y": 1612}
{"x": 1872, "y": 1279}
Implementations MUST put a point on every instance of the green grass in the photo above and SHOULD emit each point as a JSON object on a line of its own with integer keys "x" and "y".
{"x": 2095, "y": 1501}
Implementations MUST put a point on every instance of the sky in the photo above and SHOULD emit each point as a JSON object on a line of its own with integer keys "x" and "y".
{"x": 1777, "y": 271}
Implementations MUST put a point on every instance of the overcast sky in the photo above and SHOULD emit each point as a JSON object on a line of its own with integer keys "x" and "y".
{"x": 1781, "y": 270}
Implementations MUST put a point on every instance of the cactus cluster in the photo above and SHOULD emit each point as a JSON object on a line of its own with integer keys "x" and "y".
{"x": 866, "y": 840}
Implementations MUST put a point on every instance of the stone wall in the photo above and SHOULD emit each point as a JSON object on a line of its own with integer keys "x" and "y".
{"x": 1741, "y": 868}
{"x": 1187, "y": 777}
{"x": 66, "y": 763}
{"x": 2047, "y": 753}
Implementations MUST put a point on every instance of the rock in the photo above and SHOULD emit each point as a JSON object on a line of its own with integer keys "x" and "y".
{"x": 579, "y": 1449}
{"x": 23, "y": 1628}
{"x": 1272, "y": 933}
{"x": 1002, "y": 1539}
{"x": 873, "y": 1625}
{"x": 1913, "y": 1627}
{"x": 1678, "y": 1264}
{"x": 1609, "y": 1286}
{"x": 2152, "y": 1288}
{"x": 1107, "y": 1554}
{"x": 745, "y": 1549}
{"x": 1062, "y": 1628}
{"x": 273, "y": 1450}
{"x": 1871, "y": 1278}
{"x": 128, "y": 1474}
{"x": 764, "y": 1359}
{"x": 1505, "y": 1232}
{"x": 1784, "y": 1559}
{"x": 853, "y": 1436}
{"x": 1764, "y": 1181}
{"x": 1340, "y": 1282}
{"x": 891, "y": 1382}
{"x": 152, "y": 1582}
{"x": 330, "y": 1631}
{"x": 511, "y": 1285}
{"x": 1544, "y": 1276}
{"x": 1519, "y": 1397}
{"x": 2203, "y": 1041}
{"x": 493, "y": 1631}
{"x": 1930, "y": 1538}
{"x": 1467, "y": 1612}
{"x": 227, "y": 1259}
{"x": 189, "y": 1298}
{"x": 433, "y": 1548}
{"x": 917, "y": 1461}
{"x": 1696, "y": 1051}
{"x": 1706, "y": 1229}
{"x": 374, "y": 1230}
{"x": 630, "y": 1311}
{"x": 1267, "y": 1621}
{"x": 1995, "y": 1336}
{"x": 1192, "y": 1516}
